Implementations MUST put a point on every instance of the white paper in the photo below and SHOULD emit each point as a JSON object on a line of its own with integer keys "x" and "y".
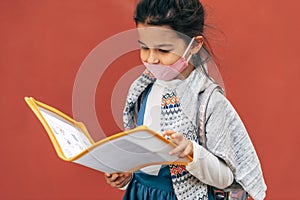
{"x": 128, "y": 152}
{"x": 70, "y": 138}
{"x": 152, "y": 169}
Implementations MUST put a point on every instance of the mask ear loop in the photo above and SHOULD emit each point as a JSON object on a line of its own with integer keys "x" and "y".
{"x": 210, "y": 69}
{"x": 187, "y": 49}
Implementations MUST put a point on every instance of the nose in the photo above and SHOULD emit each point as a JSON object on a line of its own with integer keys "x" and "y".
{"x": 153, "y": 56}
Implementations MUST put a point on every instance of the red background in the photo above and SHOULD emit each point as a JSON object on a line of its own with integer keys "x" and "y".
{"x": 44, "y": 42}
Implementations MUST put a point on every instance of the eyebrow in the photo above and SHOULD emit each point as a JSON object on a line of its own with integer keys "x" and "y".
{"x": 160, "y": 45}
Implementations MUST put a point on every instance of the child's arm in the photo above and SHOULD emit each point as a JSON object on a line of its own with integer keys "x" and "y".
{"x": 209, "y": 169}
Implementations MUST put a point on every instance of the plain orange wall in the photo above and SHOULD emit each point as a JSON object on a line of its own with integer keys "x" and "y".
{"x": 43, "y": 44}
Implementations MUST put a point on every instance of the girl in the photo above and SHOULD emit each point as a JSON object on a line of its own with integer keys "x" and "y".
{"x": 174, "y": 52}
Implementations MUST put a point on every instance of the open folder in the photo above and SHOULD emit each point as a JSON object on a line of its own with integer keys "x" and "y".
{"x": 123, "y": 152}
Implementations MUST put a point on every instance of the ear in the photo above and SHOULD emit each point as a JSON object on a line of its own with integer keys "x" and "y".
{"x": 197, "y": 44}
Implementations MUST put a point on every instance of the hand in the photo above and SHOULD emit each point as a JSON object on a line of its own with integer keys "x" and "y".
{"x": 118, "y": 180}
{"x": 185, "y": 146}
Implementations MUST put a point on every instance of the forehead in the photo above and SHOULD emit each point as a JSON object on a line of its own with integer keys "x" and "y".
{"x": 157, "y": 35}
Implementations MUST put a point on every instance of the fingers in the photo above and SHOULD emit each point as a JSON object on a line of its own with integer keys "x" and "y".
{"x": 189, "y": 150}
{"x": 118, "y": 179}
{"x": 184, "y": 146}
{"x": 168, "y": 132}
{"x": 179, "y": 149}
{"x": 176, "y": 138}
{"x": 183, "y": 149}
{"x": 107, "y": 175}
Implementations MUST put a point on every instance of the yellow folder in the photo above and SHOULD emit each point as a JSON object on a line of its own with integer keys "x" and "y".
{"x": 123, "y": 152}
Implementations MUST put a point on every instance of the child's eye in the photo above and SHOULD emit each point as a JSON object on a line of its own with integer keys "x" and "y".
{"x": 144, "y": 47}
{"x": 164, "y": 50}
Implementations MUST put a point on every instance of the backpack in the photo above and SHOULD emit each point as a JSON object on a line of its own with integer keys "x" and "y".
{"x": 234, "y": 191}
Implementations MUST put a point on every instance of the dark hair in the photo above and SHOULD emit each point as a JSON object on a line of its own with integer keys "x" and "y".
{"x": 184, "y": 16}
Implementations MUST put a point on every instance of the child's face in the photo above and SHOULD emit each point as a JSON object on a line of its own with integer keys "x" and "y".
{"x": 159, "y": 44}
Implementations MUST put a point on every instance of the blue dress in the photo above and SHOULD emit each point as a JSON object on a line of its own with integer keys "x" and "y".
{"x": 150, "y": 187}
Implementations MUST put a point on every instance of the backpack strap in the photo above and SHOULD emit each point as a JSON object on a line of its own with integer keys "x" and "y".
{"x": 235, "y": 190}
{"x": 204, "y": 99}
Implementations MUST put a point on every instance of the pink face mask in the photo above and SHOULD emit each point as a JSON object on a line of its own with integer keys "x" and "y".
{"x": 169, "y": 72}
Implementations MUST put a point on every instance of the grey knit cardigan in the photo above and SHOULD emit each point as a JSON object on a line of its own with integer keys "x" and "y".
{"x": 226, "y": 135}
